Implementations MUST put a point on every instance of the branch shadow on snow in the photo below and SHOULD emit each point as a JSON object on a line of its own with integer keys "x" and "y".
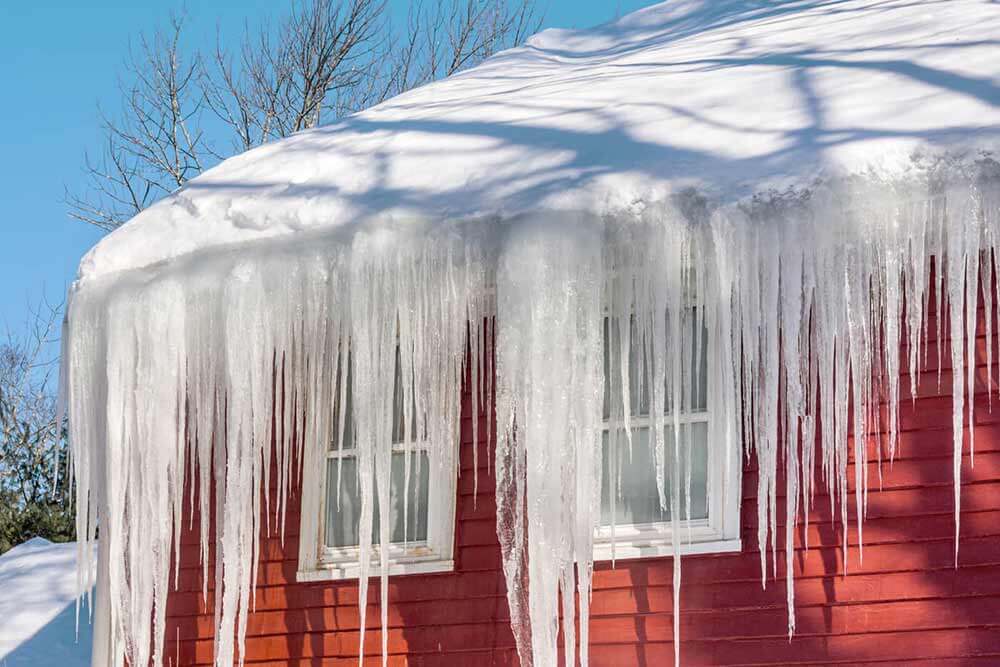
{"x": 604, "y": 143}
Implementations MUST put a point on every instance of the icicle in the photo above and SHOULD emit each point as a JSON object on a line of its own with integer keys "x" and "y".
{"x": 411, "y": 300}
{"x": 216, "y": 368}
{"x": 222, "y": 377}
{"x": 549, "y": 309}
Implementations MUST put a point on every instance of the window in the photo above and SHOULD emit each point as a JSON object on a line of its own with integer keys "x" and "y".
{"x": 422, "y": 531}
{"x": 632, "y": 523}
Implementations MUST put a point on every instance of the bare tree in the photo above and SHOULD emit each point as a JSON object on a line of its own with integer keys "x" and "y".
{"x": 330, "y": 59}
{"x": 156, "y": 143}
{"x": 33, "y": 496}
{"x": 451, "y": 35}
{"x": 282, "y": 79}
{"x": 440, "y": 38}
{"x": 324, "y": 60}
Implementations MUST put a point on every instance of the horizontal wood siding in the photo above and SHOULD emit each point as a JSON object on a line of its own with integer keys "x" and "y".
{"x": 904, "y": 603}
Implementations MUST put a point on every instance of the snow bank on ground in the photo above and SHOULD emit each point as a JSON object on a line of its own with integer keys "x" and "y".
{"x": 38, "y": 587}
{"x": 731, "y": 97}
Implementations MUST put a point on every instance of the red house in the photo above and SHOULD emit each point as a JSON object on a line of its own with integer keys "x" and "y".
{"x": 672, "y": 340}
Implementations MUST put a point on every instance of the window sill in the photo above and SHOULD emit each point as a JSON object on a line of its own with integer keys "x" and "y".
{"x": 626, "y": 549}
{"x": 343, "y": 572}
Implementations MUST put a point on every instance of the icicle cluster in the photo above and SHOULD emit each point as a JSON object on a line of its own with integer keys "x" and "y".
{"x": 548, "y": 404}
{"x": 210, "y": 368}
{"x": 214, "y": 369}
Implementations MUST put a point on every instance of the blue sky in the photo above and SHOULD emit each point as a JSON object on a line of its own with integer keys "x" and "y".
{"x": 57, "y": 63}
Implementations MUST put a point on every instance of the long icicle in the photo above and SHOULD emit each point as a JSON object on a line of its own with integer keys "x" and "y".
{"x": 200, "y": 368}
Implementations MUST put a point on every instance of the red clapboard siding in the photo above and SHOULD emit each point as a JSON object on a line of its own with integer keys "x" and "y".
{"x": 903, "y": 604}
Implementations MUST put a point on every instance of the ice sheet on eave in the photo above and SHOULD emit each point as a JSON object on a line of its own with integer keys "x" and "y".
{"x": 732, "y": 98}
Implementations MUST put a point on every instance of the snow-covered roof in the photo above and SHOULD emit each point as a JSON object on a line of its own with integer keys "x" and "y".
{"x": 731, "y": 97}
{"x": 38, "y": 581}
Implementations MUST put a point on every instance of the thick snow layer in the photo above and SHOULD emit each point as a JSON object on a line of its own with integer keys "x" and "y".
{"x": 38, "y": 588}
{"x": 733, "y": 97}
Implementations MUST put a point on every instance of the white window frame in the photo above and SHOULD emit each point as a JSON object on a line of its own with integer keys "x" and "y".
{"x": 720, "y": 531}
{"x": 318, "y": 562}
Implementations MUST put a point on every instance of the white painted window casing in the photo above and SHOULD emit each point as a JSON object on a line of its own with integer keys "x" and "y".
{"x": 713, "y": 526}
{"x": 328, "y": 542}
{"x": 641, "y": 530}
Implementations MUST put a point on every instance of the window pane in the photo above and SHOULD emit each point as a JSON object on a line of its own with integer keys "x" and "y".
{"x": 398, "y": 416}
{"x": 348, "y": 440}
{"x": 694, "y": 379}
{"x": 637, "y": 382}
{"x": 638, "y": 501}
{"x": 699, "y": 366}
{"x": 342, "y": 523}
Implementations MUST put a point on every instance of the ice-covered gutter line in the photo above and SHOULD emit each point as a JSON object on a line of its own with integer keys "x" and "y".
{"x": 210, "y": 368}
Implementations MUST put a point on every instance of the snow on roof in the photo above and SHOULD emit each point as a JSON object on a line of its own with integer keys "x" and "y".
{"x": 731, "y": 97}
{"x": 38, "y": 581}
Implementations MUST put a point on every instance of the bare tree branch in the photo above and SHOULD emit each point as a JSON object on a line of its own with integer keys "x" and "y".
{"x": 446, "y": 36}
{"x": 282, "y": 78}
{"x": 32, "y": 455}
{"x": 156, "y": 143}
{"x": 326, "y": 59}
